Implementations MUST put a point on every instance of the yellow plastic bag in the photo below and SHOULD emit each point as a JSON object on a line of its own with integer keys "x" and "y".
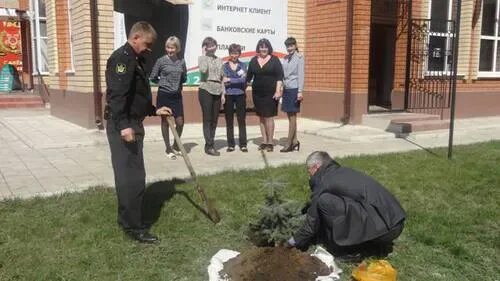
{"x": 376, "y": 270}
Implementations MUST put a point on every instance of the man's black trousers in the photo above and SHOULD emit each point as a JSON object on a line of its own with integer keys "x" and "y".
{"x": 130, "y": 176}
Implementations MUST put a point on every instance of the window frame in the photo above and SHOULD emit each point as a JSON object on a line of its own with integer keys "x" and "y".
{"x": 448, "y": 36}
{"x": 37, "y": 39}
{"x": 496, "y": 41}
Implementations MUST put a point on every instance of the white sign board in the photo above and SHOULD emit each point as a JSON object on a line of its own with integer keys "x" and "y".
{"x": 244, "y": 22}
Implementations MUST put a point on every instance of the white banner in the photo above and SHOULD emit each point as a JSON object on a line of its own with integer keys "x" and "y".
{"x": 244, "y": 22}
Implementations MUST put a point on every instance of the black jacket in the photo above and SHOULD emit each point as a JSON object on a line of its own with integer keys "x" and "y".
{"x": 128, "y": 93}
{"x": 370, "y": 210}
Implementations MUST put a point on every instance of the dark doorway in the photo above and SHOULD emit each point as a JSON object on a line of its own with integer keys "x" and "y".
{"x": 382, "y": 55}
{"x": 382, "y": 47}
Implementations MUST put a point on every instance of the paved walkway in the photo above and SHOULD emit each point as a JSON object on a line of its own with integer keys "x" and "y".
{"x": 42, "y": 155}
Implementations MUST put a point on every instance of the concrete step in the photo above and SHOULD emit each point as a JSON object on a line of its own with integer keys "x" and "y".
{"x": 415, "y": 117}
{"x": 383, "y": 120}
{"x": 18, "y": 97}
{"x": 21, "y": 104}
{"x": 20, "y": 101}
{"x": 410, "y": 126}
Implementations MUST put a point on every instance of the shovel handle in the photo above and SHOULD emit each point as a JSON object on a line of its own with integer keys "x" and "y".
{"x": 211, "y": 210}
{"x": 171, "y": 124}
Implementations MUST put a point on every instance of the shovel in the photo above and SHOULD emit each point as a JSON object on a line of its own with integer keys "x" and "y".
{"x": 212, "y": 212}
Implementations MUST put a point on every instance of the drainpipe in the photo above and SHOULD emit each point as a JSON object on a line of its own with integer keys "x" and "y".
{"x": 348, "y": 62}
{"x": 96, "y": 70}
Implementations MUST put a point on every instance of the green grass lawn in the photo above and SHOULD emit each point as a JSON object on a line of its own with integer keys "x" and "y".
{"x": 452, "y": 231}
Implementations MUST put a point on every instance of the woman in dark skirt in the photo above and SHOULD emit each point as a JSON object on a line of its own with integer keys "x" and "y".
{"x": 267, "y": 73}
{"x": 169, "y": 72}
{"x": 293, "y": 84}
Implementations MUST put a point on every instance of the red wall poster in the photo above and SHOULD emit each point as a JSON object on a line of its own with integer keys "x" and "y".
{"x": 10, "y": 44}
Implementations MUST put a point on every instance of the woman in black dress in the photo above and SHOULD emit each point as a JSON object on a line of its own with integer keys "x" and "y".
{"x": 267, "y": 73}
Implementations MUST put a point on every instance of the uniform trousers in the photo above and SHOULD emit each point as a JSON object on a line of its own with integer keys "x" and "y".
{"x": 130, "y": 176}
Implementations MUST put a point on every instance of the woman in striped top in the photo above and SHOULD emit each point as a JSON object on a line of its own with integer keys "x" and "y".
{"x": 169, "y": 72}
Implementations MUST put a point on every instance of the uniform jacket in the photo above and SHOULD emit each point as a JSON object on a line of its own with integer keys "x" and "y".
{"x": 128, "y": 93}
{"x": 370, "y": 210}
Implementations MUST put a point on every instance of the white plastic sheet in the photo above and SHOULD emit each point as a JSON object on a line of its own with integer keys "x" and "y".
{"x": 222, "y": 256}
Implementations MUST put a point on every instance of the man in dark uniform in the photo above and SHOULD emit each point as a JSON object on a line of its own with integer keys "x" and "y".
{"x": 350, "y": 212}
{"x": 166, "y": 18}
{"x": 129, "y": 101}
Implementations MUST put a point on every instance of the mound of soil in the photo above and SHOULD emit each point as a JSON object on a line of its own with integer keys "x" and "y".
{"x": 272, "y": 264}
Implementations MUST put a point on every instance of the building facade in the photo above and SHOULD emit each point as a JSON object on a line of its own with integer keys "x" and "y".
{"x": 76, "y": 90}
{"x": 378, "y": 54}
{"x": 359, "y": 58}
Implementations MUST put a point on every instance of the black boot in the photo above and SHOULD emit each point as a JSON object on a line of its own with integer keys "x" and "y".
{"x": 142, "y": 237}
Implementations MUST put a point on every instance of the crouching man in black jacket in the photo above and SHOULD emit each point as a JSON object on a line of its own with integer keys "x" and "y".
{"x": 350, "y": 213}
{"x": 129, "y": 101}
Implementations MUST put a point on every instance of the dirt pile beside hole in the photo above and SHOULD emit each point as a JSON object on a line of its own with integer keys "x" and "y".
{"x": 274, "y": 264}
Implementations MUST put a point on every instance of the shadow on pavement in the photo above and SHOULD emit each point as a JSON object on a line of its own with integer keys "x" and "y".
{"x": 189, "y": 146}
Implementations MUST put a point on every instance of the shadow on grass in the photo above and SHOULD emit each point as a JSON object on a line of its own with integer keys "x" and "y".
{"x": 155, "y": 197}
{"x": 196, "y": 206}
{"x": 158, "y": 193}
{"x": 420, "y": 146}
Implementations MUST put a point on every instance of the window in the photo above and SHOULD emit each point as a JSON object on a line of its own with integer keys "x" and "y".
{"x": 489, "y": 58}
{"x": 440, "y": 57}
{"x": 39, "y": 37}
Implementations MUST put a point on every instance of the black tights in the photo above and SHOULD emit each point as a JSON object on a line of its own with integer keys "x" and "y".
{"x": 179, "y": 125}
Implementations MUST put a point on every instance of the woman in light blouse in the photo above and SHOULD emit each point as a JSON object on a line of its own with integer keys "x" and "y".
{"x": 293, "y": 85}
{"x": 211, "y": 91}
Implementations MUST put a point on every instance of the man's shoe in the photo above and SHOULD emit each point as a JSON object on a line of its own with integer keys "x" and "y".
{"x": 143, "y": 237}
{"x": 379, "y": 250}
{"x": 350, "y": 258}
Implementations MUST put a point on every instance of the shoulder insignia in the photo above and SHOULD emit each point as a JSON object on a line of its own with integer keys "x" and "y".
{"x": 121, "y": 68}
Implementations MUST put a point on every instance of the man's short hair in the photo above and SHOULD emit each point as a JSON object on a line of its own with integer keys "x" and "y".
{"x": 143, "y": 28}
{"x": 234, "y": 48}
{"x": 209, "y": 41}
{"x": 174, "y": 41}
{"x": 318, "y": 158}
